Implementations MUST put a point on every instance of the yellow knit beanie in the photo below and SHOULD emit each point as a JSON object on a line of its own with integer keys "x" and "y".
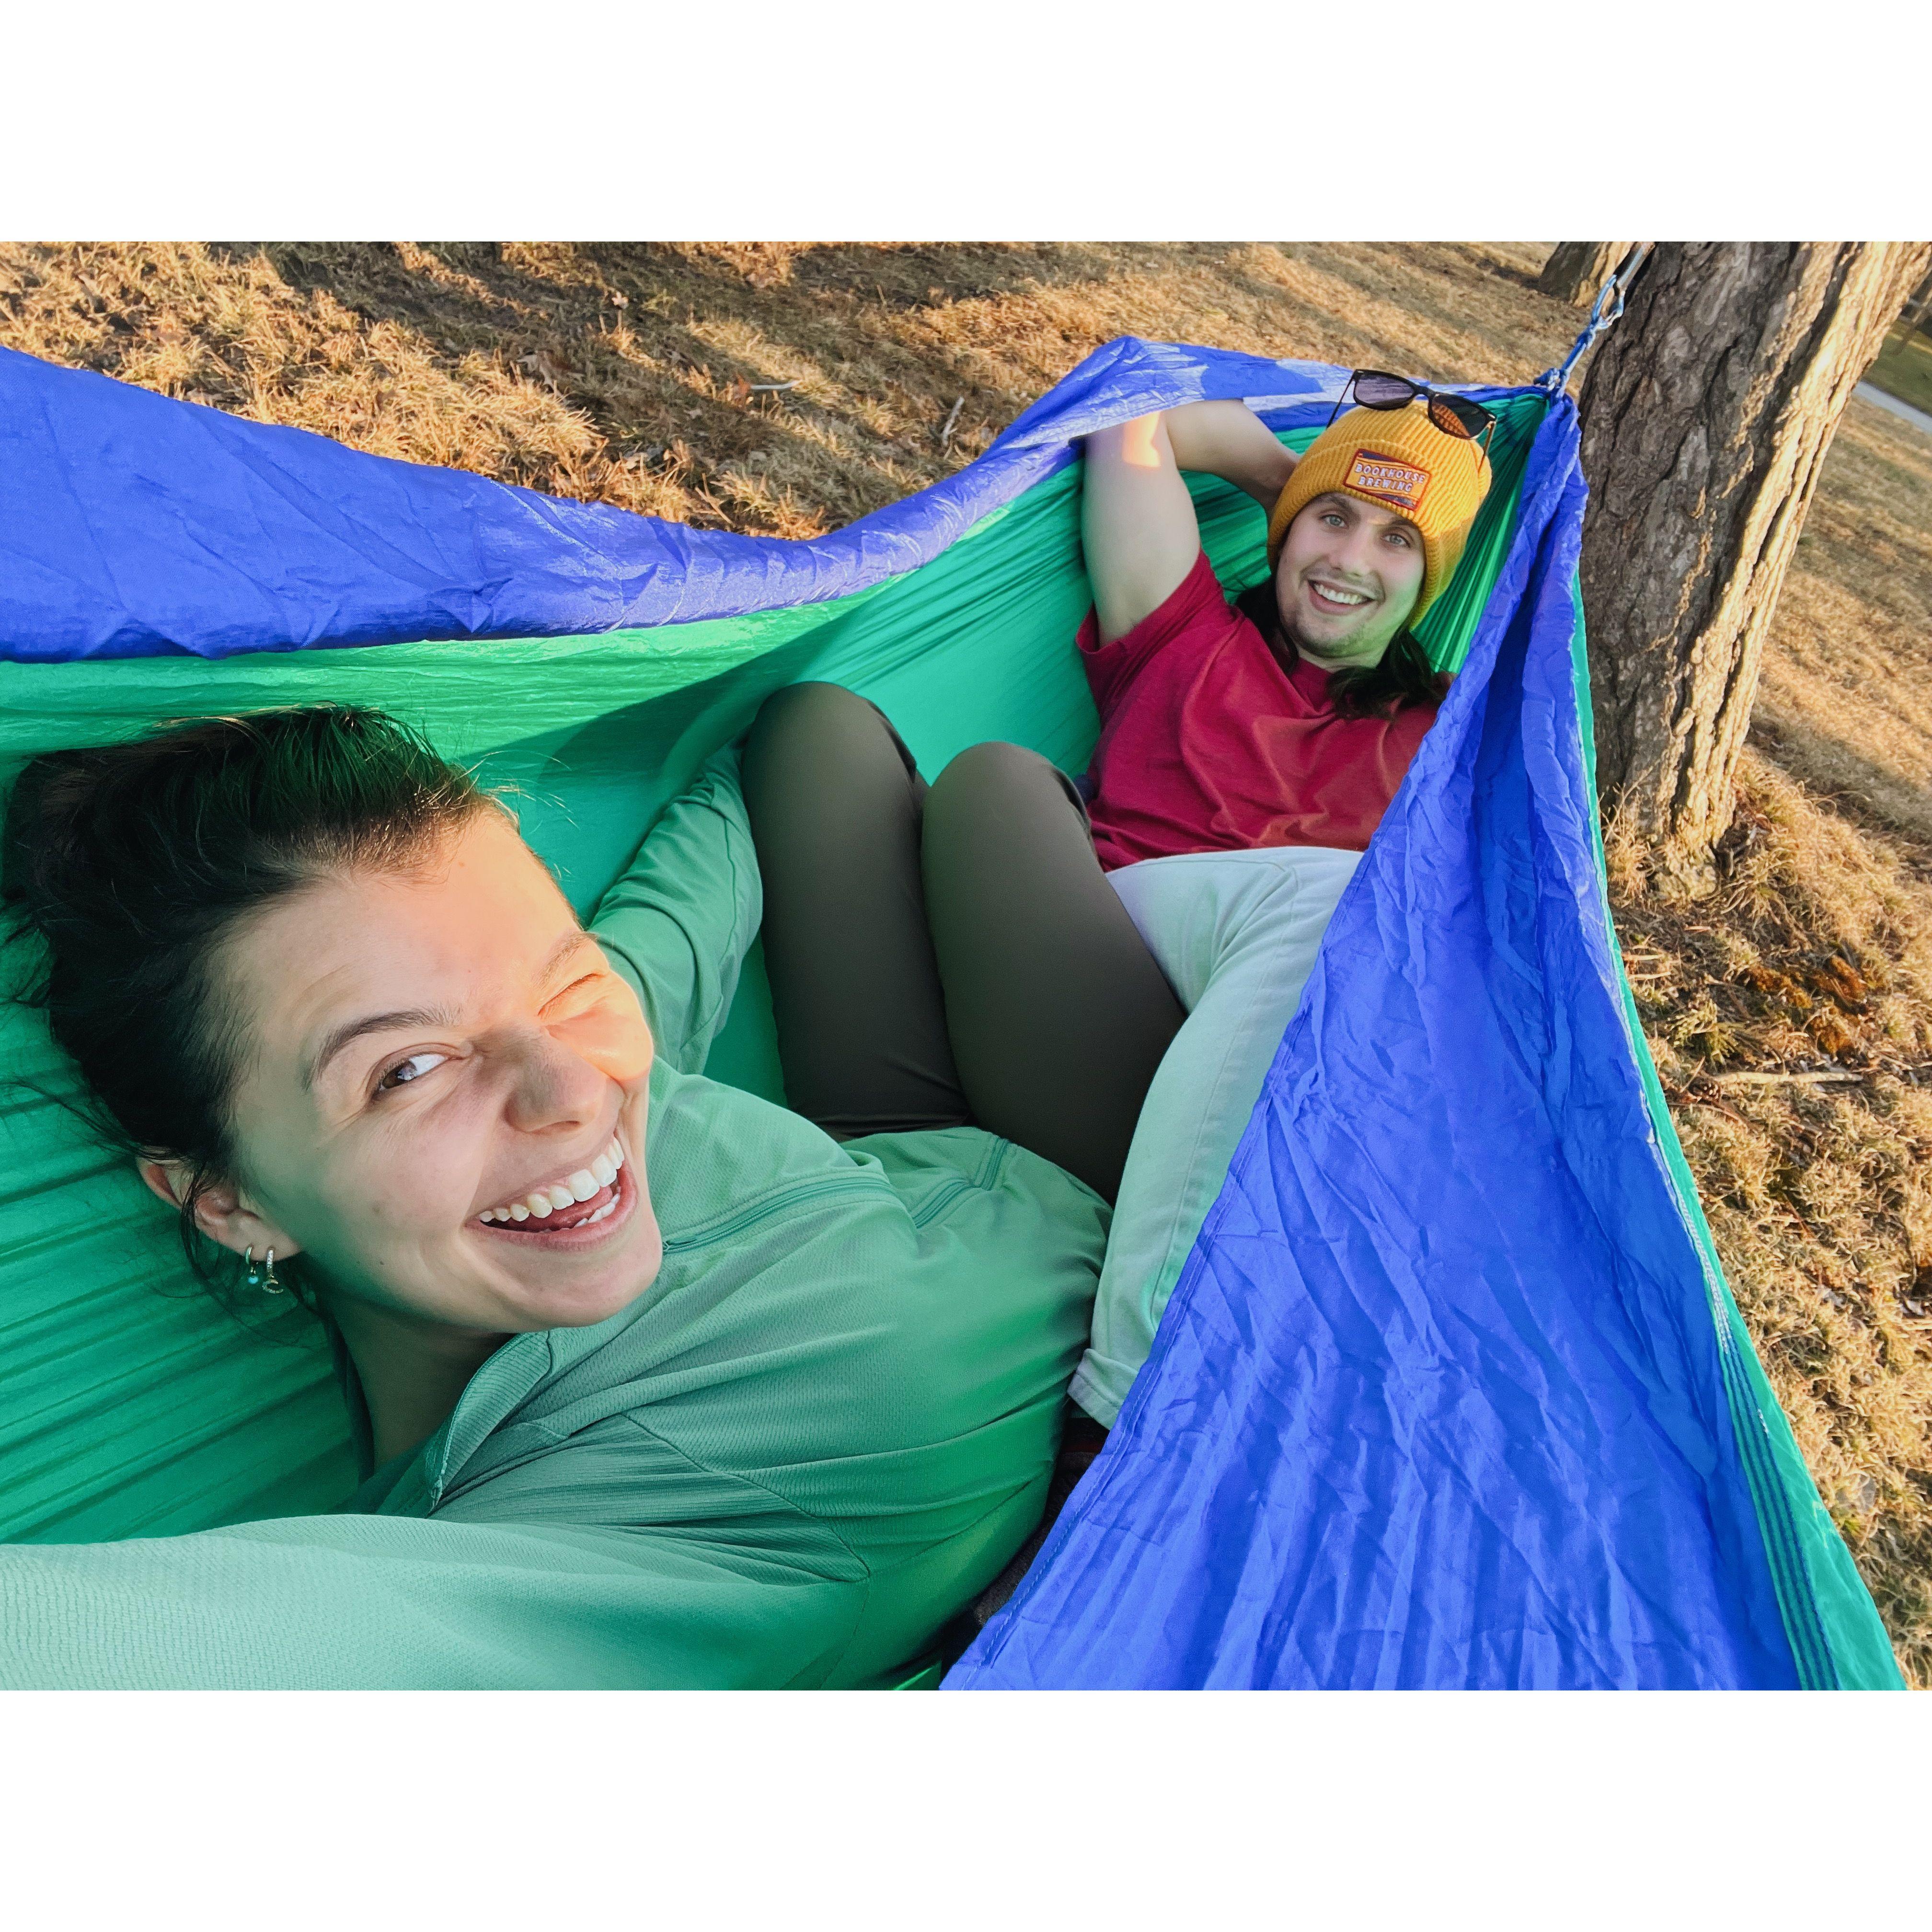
{"x": 1399, "y": 459}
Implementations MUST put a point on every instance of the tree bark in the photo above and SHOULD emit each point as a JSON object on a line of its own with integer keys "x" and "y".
{"x": 1707, "y": 413}
{"x": 1576, "y": 270}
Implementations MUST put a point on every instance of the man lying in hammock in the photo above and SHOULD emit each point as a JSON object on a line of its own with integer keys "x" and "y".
{"x": 1247, "y": 752}
{"x": 1246, "y": 756}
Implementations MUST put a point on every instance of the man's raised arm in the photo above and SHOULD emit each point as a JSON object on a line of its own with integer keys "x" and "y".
{"x": 1137, "y": 519}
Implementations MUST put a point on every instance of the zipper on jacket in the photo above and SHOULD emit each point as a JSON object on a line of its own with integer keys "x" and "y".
{"x": 943, "y": 1196}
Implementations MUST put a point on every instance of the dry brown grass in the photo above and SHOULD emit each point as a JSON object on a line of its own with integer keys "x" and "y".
{"x": 626, "y": 373}
{"x": 1815, "y": 957}
{"x": 1846, "y": 698}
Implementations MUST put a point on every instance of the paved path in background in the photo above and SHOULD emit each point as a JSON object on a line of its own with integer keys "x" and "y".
{"x": 1872, "y": 394}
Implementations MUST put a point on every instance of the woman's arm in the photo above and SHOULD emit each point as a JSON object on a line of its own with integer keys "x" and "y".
{"x": 392, "y": 1603}
{"x": 680, "y": 921}
{"x": 1137, "y": 519}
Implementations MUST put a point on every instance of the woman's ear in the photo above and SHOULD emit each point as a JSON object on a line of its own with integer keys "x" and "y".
{"x": 219, "y": 1210}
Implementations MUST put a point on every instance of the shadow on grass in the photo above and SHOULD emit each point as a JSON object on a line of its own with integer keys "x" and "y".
{"x": 627, "y": 335}
{"x": 1842, "y": 778}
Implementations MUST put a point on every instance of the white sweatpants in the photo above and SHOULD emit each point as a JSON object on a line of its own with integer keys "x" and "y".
{"x": 1237, "y": 933}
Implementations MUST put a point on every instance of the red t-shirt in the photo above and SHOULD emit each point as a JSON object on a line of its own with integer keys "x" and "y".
{"x": 1207, "y": 744}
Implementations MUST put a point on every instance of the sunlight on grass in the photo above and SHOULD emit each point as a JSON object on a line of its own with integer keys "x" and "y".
{"x": 1904, "y": 369}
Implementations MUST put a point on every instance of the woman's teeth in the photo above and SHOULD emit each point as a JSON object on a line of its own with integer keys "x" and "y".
{"x": 542, "y": 1202}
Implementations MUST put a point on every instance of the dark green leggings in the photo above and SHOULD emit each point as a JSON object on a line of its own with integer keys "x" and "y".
{"x": 946, "y": 956}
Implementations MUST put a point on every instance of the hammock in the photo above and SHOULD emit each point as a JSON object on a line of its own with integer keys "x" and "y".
{"x": 1451, "y": 1390}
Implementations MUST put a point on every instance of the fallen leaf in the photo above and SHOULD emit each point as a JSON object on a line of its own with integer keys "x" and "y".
{"x": 544, "y": 369}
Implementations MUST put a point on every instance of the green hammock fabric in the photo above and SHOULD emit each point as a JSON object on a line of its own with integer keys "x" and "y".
{"x": 129, "y": 1404}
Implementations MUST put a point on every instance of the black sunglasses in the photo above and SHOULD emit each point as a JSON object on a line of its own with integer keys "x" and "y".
{"x": 1454, "y": 415}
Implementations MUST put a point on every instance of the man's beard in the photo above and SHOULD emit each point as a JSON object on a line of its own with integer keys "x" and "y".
{"x": 1289, "y": 635}
{"x": 1288, "y": 644}
{"x": 1287, "y": 640}
{"x": 1279, "y": 632}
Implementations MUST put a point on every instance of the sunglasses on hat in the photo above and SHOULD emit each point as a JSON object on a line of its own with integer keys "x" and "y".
{"x": 1454, "y": 415}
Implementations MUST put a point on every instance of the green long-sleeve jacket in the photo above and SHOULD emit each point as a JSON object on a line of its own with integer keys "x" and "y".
{"x": 824, "y": 1428}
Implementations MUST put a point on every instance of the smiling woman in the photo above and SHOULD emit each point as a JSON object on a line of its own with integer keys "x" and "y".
{"x": 341, "y": 1016}
{"x": 527, "y": 1061}
{"x": 340, "y": 1011}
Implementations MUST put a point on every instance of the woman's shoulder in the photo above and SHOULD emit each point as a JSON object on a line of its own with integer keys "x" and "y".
{"x": 713, "y": 1149}
{"x": 726, "y": 1165}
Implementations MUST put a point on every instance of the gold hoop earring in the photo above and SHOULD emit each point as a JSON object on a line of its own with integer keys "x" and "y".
{"x": 255, "y": 1277}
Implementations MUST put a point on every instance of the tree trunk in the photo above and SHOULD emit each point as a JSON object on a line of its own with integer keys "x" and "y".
{"x": 1576, "y": 270}
{"x": 1707, "y": 413}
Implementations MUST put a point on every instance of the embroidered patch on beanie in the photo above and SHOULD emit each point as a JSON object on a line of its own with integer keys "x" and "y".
{"x": 1400, "y": 484}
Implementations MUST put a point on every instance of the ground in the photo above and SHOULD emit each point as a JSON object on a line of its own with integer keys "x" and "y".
{"x": 1904, "y": 367}
{"x": 787, "y": 388}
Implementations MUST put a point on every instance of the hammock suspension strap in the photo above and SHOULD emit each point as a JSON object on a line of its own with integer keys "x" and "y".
{"x": 1608, "y": 306}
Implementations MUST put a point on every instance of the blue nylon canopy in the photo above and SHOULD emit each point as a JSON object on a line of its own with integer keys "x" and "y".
{"x": 1450, "y": 1391}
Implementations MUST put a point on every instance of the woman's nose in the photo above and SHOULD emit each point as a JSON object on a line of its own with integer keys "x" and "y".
{"x": 552, "y": 1086}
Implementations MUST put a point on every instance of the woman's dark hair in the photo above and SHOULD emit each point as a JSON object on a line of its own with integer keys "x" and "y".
{"x": 136, "y": 863}
{"x": 1403, "y": 676}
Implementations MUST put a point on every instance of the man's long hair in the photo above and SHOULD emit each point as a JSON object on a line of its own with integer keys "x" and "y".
{"x": 1401, "y": 676}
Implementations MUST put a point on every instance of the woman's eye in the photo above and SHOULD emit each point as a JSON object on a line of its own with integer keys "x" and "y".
{"x": 404, "y": 1071}
{"x": 578, "y": 994}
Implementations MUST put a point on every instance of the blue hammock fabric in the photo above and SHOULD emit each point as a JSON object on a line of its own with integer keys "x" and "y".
{"x": 1437, "y": 1400}
{"x": 1450, "y": 1391}
{"x": 133, "y": 525}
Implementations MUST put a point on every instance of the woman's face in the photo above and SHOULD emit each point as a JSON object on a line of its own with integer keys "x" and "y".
{"x": 1349, "y": 575}
{"x": 430, "y": 1053}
